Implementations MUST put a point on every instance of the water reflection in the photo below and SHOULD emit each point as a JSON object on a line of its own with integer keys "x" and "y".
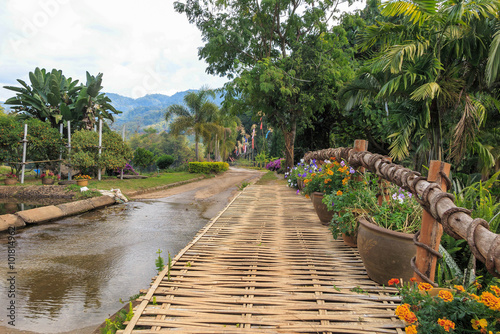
{"x": 72, "y": 274}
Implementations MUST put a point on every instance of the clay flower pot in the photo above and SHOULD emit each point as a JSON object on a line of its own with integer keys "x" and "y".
{"x": 385, "y": 253}
{"x": 321, "y": 209}
{"x": 351, "y": 240}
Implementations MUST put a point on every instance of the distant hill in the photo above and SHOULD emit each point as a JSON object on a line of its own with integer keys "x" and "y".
{"x": 146, "y": 111}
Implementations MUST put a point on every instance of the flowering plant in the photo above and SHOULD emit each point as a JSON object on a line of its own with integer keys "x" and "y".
{"x": 449, "y": 310}
{"x": 274, "y": 165}
{"x": 50, "y": 175}
{"x": 11, "y": 176}
{"x": 82, "y": 177}
{"x": 331, "y": 177}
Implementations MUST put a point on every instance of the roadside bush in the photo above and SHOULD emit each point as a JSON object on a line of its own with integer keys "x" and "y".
{"x": 164, "y": 161}
{"x": 208, "y": 167}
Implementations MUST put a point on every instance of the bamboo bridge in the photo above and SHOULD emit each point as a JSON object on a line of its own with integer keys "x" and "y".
{"x": 265, "y": 264}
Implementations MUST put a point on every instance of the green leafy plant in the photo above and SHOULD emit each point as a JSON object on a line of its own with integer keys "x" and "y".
{"x": 208, "y": 167}
{"x": 243, "y": 186}
{"x": 457, "y": 310}
{"x": 121, "y": 317}
{"x": 160, "y": 264}
{"x": 331, "y": 177}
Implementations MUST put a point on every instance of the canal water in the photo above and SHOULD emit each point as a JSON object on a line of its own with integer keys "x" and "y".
{"x": 72, "y": 273}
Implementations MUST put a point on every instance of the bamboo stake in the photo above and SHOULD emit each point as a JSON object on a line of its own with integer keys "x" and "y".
{"x": 431, "y": 231}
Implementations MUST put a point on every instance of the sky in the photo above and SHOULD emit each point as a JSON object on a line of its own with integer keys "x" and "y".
{"x": 141, "y": 47}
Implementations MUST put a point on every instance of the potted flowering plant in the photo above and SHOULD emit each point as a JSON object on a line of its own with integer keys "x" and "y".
{"x": 385, "y": 233}
{"x": 10, "y": 178}
{"x": 49, "y": 177}
{"x": 82, "y": 180}
{"x": 436, "y": 310}
{"x": 331, "y": 177}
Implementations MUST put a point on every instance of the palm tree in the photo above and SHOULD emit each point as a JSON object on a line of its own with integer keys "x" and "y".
{"x": 432, "y": 62}
{"x": 194, "y": 118}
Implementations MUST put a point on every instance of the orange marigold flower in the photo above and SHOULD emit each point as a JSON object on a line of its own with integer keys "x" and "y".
{"x": 481, "y": 323}
{"x": 393, "y": 281}
{"x": 329, "y": 172}
{"x": 404, "y": 313}
{"x": 328, "y": 180}
{"x": 424, "y": 286}
{"x": 490, "y": 300}
{"x": 474, "y": 296}
{"x": 345, "y": 181}
{"x": 447, "y": 296}
{"x": 307, "y": 196}
{"x": 495, "y": 289}
{"x": 306, "y": 181}
{"x": 446, "y": 324}
{"x": 413, "y": 279}
{"x": 339, "y": 193}
{"x": 313, "y": 174}
{"x": 459, "y": 288}
{"x": 411, "y": 329}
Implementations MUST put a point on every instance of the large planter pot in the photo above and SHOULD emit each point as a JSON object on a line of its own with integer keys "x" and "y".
{"x": 47, "y": 181}
{"x": 10, "y": 181}
{"x": 386, "y": 254}
{"x": 82, "y": 183}
{"x": 351, "y": 240}
{"x": 321, "y": 209}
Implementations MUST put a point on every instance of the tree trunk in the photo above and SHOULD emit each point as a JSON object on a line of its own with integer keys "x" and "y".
{"x": 196, "y": 149}
{"x": 289, "y": 144}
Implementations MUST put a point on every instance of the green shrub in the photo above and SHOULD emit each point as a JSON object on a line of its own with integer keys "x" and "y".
{"x": 208, "y": 167}
{"x": 164, "y": 161}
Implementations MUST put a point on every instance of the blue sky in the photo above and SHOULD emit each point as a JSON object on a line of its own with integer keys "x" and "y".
{"x": 141, "y": 47}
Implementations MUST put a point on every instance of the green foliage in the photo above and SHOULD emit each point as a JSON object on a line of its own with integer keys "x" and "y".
{"x": 54, "y": 98}
{"x": 121, "y": 317}
{"x": 44, "y": 143}
{"x": 79, "y": 195}
{"x": 85, "y": 153}
{"x": 11, "y": 132}
{"x": 243, "y": 185}
{"x": 164, "y": 161}
{"x": 143, "y": 158}
{"x": 208, "y": 167}
{"x": 160, "y": 264}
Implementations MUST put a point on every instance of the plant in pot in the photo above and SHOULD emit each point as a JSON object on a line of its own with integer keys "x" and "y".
{"x": 82, "y": 180}
{"x": 457, "y": 310}
{"x": 295, "y": 177}
{"x": 49, "y": 177}
{"x": 10, "y": 178}
{"x": 385, "y": 234}
{"x": 350, "y": 205}
{"x": 331, "y": 177}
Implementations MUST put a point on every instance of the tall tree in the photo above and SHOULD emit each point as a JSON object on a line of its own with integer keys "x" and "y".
{"x": 279, "y": 51}
{"x": 432, "y": 63}
{"x": 194, "y": 116}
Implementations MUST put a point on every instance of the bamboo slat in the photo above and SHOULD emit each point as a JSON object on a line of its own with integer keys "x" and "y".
{"x": 266, "y": 265}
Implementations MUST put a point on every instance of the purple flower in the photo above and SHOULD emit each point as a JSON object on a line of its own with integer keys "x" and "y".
{"x": 298, "y": 191}
{"x": 342, "y": 163}
{"x": 333, "y": 204}
{"x": 410, "y": 195}
{"x": 351, "y": 170}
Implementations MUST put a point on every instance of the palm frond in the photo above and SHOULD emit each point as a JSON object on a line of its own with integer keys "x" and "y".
{"x": 416, "y": 11}
{"x": 493, "y": 64}
{"x": 428, "y": 90}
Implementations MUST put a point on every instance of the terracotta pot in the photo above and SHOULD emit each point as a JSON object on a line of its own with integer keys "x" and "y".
{"x": 351, "y": 240}
{"x": 47, "y": 181}
{"x": 82, "y": 183}
{"x": 386, "y": 254}
{"x": 324, "y": 215}
{"x": 10, "y": 181}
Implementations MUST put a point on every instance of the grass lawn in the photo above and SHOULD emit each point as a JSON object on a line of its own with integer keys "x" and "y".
{"x": 271, "y": 178}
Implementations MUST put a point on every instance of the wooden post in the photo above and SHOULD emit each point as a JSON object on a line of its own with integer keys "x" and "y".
{"x": 383, "y": 188}
{"x": 431, "y": 231}
{"x": 360, "y": 145}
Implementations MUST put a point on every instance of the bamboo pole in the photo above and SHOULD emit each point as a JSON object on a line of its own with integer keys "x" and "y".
{"x": 123, "y": 138}
{"x": 69, "y": 151}
{"x": 25, "y": 141}
{"x": 431, "y": 231}
{"x": 100, "y": 149}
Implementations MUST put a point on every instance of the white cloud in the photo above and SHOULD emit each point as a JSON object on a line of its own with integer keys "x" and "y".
{"x": 140, "y": 47}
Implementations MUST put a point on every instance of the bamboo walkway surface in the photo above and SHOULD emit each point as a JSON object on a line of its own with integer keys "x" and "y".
{"x": 266, "y": 265}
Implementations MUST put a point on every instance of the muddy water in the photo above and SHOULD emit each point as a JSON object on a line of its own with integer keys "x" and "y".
{"x": 72, "y": 274}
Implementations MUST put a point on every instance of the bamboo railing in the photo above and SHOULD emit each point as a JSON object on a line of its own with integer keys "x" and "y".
{"x": 456, "y": 221}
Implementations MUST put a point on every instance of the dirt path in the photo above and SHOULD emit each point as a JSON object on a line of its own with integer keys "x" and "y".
{"x": 213, "y": 193}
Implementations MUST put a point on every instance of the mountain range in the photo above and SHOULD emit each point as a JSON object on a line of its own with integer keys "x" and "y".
{"x": 146, "y": 111}
{"x": 143, "y": 112}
